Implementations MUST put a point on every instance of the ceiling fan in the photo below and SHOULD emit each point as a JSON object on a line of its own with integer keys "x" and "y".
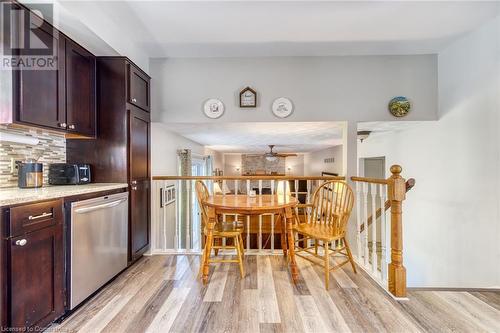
{"x": 271, "y": 155}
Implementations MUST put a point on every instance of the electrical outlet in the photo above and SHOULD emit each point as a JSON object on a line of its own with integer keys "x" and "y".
{"x": 13, "y": 168}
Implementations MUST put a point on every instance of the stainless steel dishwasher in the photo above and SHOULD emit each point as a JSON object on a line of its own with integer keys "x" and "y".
{"x": 99, "y": 234}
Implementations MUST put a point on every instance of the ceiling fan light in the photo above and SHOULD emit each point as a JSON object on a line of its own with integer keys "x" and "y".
{"x": 271, "y": 158}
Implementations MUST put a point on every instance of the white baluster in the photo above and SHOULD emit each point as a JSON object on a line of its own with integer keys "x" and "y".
{"x": 248, "y": 232}
{"x": 188, "y": 222}
{"x": 260, "y": 233}
{"x": 260, "y": 220}
{"x": 296, "y": 184}
{"x": 177, "y": 216}
{"x": 224, "y": 186}
{"x": 383, "y": 260}
{"x": 358, "y": 219}
{"x": 373, "y": 191}
{"x": 272, "y": 186}
{"x": 365, "y": 223}
{"x": 272, "y": 233}
{"x": 236, "y": 189}
{"x": 248, "y": 186}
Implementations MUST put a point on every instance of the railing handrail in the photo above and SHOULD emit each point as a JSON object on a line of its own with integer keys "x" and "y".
{"x": 370, "y": 180}
{"x": 253, "y": 177}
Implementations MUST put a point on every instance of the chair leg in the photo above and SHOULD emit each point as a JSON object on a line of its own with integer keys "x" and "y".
{"x": 349, "y": 254}
{"x": 315, "y": 246}
{"x": 203, "y": 257}
{"x": 327, "y": 265}
{"x": 206, "y": 261}
{"x": 218, "y": 242}
{"x": 238, "y": 253}
{"x": 241, "y": 245}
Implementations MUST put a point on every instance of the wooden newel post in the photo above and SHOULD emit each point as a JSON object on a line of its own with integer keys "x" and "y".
{"x": 397, "y": 272}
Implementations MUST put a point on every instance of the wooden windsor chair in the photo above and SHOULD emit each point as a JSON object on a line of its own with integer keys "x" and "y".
{"x": 221, "y": 231}
{"x": 330, "y": 211}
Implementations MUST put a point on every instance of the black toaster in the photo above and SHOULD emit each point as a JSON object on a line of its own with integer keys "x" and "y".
{"x": 69, "y": 174}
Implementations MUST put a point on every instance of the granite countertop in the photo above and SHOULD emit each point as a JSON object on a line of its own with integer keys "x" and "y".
{"x": 15, "y": 195}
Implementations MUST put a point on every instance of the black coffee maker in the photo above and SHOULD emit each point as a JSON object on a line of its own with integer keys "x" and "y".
{"x": 30, "y": 174}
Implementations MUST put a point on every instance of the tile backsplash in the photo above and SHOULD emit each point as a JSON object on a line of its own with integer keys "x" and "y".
{"x": 50, "y": 149}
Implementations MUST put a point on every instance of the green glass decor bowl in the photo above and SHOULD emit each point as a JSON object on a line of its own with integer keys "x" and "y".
{"x": 399, "y": 106}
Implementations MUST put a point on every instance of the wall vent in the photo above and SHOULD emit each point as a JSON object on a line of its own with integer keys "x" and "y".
{"x": 329, "y": 160}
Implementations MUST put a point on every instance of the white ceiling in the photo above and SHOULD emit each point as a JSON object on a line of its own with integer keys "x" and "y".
{"x": 274, "y": 28}
{"x": 255, "y": 137}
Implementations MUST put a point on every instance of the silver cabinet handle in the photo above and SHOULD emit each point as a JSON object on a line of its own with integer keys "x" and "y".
{"x": 36, "y": 217}
{"x": 134, "y": 182}
{"x": 134, "y": 188}
{"x": 63, "y": 125}
{"x": 21, "y": 242}
{"x": 134, "y": 100}
{"x": 72, "y": 127}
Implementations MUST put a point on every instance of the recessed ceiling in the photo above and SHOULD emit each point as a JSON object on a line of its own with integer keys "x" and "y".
{"x": 282, "y": 28}
{"x": 255, "y": 137}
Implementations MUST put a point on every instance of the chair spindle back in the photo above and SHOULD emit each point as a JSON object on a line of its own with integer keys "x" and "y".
{"x": 332, "y": 206}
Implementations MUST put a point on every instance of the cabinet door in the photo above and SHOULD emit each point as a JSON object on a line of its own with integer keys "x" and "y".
{"x": 36, "y": 275}
{"x": 39, "y": 95}
{"x": 80, "y": 89}
{"x": 139, "y": 218}
{"x": 139, "y": 132}
{"x": 138, "y": 88}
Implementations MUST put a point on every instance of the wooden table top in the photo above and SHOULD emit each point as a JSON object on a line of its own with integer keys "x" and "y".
{"x": 256, "y": 204}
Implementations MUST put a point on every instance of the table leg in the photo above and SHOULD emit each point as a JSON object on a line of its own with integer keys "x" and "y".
{"x": 291, "y": 243}
{"x": 208, "y": 244}
{"x": 282, "y": 221}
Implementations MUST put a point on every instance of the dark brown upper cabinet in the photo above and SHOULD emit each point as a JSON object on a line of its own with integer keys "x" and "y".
{"x": 60, "y": 97}
{"x": 38, "y": 96}
{"x": 80, "y": 89}
{"x": 138, "y": 92}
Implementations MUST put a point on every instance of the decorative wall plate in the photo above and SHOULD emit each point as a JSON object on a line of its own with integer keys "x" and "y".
{"x": 399, "y": 106}
{"x": 282, "y": 107}
{"x": 213, "y": 108}
{"x": 248, "y": 98}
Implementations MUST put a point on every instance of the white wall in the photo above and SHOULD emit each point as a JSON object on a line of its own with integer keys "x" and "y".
{"x": 164, "y": 146}
{"x": 314, "y": 162}
{"x": 92, "y": 25}
{"x": 451, "y": 218}
{"x": 321, "y": 88}
{"x": 295, "y": 164}
{"x": 231, "y": 162}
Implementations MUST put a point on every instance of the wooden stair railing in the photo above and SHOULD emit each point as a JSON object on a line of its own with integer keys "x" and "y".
{"x": 396, "y": 193}
{"x": 410, "y": 183}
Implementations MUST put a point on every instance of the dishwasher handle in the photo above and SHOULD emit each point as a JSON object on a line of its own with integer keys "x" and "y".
{"x": 101, "y": 206}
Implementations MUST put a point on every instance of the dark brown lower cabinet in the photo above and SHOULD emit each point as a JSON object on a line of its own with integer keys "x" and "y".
{"x": 36, "y": 278}
{"x": 139, "y": 218}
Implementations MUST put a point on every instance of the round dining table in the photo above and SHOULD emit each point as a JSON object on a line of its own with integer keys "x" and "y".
{"x": 279, "y": 204}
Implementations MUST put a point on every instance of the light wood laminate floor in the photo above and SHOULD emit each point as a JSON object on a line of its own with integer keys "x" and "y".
{"x": 163, "y": 294}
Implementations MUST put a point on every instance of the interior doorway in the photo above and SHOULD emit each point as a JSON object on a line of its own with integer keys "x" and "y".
{"x": 372, "y": 167}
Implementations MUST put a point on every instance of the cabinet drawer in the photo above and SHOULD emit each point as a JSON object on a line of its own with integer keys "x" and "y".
{"x": 28, "y": 218}
{"x": 138, "y": 88}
